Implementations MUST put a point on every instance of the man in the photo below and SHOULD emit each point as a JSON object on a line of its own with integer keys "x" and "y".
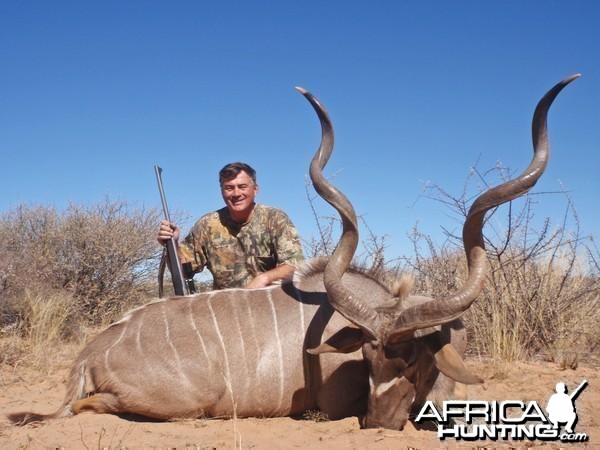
{"x": 244, "y": 244}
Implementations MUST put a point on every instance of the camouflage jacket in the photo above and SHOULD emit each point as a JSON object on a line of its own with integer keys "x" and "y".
{"x": 235, "y": 253}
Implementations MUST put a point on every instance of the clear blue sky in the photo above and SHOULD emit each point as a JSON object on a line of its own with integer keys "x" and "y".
{"x": 93, "y": 94}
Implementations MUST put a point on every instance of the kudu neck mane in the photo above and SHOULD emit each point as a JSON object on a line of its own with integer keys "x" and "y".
{"x": 398, "y": 288}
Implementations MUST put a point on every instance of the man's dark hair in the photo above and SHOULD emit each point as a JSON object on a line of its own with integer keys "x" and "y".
{"x": 232, "y": 170}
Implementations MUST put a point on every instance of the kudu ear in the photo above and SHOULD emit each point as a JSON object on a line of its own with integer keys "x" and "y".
{"x": 347, "y": 340}
{"x": 447, "y": 359}
{"x": 449, "y": 362}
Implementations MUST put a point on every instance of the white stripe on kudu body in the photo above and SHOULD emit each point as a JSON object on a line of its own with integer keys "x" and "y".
{"x": 197, "y": 333}
{"x": 244, "y": 389}
{"x": 227, "y": 374}
{"x": 279, "y": 351}
{"x": 109, "y": 349}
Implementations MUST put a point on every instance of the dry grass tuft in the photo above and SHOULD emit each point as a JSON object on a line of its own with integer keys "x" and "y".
{"x": 537, "y": 309}
{"x": 237, "y": 435}
{"x": 48, "y": 318}
{"x": 45, "y": 319}
{"x": 13, "y": 349}
{"x": 315, "y": 415}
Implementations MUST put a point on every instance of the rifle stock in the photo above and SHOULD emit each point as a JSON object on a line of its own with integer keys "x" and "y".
{"x": 182, "y": 284}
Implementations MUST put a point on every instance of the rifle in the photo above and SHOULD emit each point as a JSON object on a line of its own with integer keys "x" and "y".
{"x": 578, "y": 390}
{"x": 181, "y": 274}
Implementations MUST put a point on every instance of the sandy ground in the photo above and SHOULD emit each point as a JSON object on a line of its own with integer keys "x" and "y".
{"x": 27, "y": 389}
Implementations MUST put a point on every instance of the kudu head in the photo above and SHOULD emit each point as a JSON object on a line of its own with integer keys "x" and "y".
{"x": 402, "y": 341}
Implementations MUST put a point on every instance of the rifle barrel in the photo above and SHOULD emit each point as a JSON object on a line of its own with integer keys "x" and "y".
{"x": 578, "y": 389}
{"x": 179, "y": 283}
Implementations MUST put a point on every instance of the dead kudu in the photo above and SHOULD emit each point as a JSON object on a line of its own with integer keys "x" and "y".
{"x": 332, "y": 338}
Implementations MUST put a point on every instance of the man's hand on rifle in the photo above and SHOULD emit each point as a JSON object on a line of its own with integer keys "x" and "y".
{"x": 167, "y": 231}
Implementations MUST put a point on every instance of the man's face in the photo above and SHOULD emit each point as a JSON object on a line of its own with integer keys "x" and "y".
{"x": 239, "y": 194}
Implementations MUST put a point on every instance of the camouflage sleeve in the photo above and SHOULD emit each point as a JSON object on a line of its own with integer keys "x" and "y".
{"x": 190, "y": 250}
{"x": 287, "y": 241}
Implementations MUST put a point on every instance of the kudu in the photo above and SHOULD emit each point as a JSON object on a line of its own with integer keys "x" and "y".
{"x": 259, "y": 352}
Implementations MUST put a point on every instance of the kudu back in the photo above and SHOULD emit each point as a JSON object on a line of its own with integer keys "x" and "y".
{"x": 332, "y": 338}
